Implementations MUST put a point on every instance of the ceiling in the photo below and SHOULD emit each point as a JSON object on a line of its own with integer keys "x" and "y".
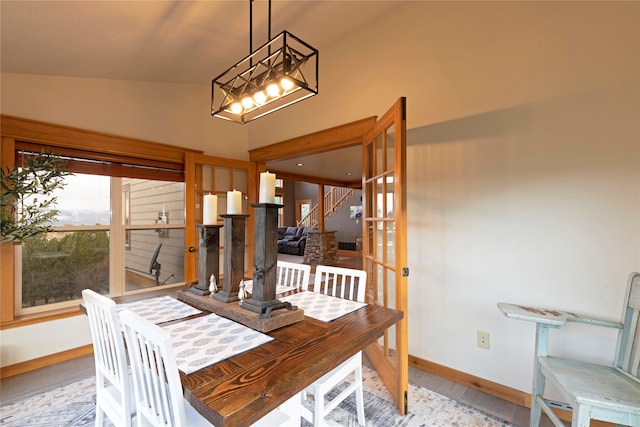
{"x": 172, "y": 42}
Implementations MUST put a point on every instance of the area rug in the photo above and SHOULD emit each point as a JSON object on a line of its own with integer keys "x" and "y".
{"x": 74, "y": 406}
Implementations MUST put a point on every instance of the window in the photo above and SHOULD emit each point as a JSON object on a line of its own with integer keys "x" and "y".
{"x": 92, "y": 153}
{"x": 279, "y": 200}
{"x": 114, "y": 234}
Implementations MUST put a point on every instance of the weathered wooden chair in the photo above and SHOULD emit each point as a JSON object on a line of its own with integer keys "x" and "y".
{"x": 591, "y": 391}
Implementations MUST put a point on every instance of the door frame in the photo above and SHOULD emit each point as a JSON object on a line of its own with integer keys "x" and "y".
{"x": 299, "y": 204}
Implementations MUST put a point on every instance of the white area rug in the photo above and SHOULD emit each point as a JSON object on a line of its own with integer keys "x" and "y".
{"x": 73, "y": 405}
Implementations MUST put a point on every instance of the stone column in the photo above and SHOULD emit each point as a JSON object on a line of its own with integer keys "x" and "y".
{"x": 321, "y": 248}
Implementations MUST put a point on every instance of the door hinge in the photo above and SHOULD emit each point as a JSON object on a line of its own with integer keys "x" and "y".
{"x": 405, "y": 271}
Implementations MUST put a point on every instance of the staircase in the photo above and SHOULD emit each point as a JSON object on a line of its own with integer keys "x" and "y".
{"x": 333, "y": 199}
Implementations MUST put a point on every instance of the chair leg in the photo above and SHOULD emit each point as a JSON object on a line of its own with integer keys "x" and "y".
{"x": 99, "y": 410}
{"x": 580, "y": 417}
{"x": 536, "y": 413}
{"x": 360, "y": 396}
{"x": 99, "y": 417}
{"x": 538, "y": 379}
{"x": 318, "y": 409}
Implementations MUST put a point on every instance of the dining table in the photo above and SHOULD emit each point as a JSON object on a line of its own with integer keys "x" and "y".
{"x": 241, "y": 389}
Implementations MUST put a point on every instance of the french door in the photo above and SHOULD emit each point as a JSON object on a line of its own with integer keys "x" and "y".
{"x": 215, "y": 175}
{"x": 385, "y": 243}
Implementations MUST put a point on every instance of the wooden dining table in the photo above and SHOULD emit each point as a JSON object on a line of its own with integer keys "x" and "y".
{"x": 240, "y": 390}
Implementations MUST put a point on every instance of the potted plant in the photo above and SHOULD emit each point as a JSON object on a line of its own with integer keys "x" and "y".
{"x": 28, "y": 204}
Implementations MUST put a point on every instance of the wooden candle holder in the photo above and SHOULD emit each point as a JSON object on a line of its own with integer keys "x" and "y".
{"x": 208, "y": 257}
{"x": 234, "y": 238}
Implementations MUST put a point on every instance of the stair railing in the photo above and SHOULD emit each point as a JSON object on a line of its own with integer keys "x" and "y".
{"x": 333, "y": 199}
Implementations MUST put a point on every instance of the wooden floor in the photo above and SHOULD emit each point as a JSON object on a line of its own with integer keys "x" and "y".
{"x": 19, "y": 387}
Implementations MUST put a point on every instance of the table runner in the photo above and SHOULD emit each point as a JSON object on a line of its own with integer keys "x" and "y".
{"x": 323, "y": 307}
{"x": 209, "y": 339}
{"x": 160, "y": 309}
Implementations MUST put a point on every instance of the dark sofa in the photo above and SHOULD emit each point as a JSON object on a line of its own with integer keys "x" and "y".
{"x": 292, "y": 240}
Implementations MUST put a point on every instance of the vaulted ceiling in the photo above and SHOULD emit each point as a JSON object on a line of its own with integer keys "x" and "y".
{"x": 188, "y": 42}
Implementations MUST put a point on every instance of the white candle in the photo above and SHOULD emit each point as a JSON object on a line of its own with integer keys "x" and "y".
{"x": 210, "y": 209}
{"x": 267, "y": 187}
{"x": 234, "y": 202}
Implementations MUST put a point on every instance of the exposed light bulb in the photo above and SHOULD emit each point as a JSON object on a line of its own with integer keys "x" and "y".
{"x": 273, "y": 90}
{"x": 286, "y": 83}
{"x": 236, "y": 108}
{"x": 260, "y": 97}
{"x": 247, "y": 102}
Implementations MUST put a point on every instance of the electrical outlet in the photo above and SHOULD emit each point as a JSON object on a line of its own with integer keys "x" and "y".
{"x": 483, "y": 339}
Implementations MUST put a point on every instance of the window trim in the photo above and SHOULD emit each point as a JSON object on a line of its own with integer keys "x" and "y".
{"x": 16, "y": 131}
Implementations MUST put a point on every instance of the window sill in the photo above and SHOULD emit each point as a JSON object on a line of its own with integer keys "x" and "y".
{"x": 31, "y": 319}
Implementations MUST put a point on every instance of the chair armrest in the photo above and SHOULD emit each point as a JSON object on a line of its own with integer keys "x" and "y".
{"x": 554, "y": 318}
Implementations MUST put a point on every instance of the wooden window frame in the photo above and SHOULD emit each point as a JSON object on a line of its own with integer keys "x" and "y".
{"x": 20, "y": 132}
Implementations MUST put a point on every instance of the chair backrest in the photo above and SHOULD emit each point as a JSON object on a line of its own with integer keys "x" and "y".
{"x": 156, "y": 380}
{"x": 293, "y": 275}
{"x": 109, "y": 353}
{"x": 340, "y": 282}
{"x": 628, "y": 354}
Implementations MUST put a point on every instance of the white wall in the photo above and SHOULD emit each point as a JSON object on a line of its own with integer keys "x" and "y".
{"x": 523, "y": 161}
{"x": 176, "y": 114}
{"x": 41, "y": 339}
{"x": 523, "y": 164}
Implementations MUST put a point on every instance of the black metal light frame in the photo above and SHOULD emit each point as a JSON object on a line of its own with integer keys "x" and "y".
{"x": 283, "y": 57}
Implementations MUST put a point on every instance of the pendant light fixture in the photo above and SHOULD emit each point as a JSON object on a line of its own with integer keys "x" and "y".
{"x": 279, "y": 73}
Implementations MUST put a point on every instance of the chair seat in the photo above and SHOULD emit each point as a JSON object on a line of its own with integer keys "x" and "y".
{"x": 593, "y": 385}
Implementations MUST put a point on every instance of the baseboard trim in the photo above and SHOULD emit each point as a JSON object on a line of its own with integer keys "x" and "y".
{"x": 41, "y": 362}
{"x": 498, "y": 390}
{"x": 494, "y": 389}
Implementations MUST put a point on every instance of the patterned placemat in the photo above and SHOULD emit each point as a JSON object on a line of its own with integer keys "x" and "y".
{"x": 323, "y": 307}
{"x": 209, "y": 339}
{"x": 160, "y": 309}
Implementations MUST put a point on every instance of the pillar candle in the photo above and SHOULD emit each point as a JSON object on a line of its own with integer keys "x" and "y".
{"x": 234, "y": 202}
{"x": 210, "y": 209}
{"x": 267, "y": 187}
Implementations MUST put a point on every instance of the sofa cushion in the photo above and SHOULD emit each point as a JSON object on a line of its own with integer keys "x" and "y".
{"x": 292, "y": 233}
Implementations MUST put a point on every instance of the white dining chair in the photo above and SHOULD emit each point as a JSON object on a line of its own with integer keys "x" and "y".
{"x": 293, "y": 275}
{"x": 349, "y": 284}
{"x": 157, "y": 387}
{"x": 114, "y": 393}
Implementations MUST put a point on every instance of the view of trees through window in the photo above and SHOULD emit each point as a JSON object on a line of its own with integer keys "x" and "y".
{"x": 56, "y": 267}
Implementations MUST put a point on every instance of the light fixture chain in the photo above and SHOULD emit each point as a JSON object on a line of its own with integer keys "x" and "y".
{"x": 250, "y": 30}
